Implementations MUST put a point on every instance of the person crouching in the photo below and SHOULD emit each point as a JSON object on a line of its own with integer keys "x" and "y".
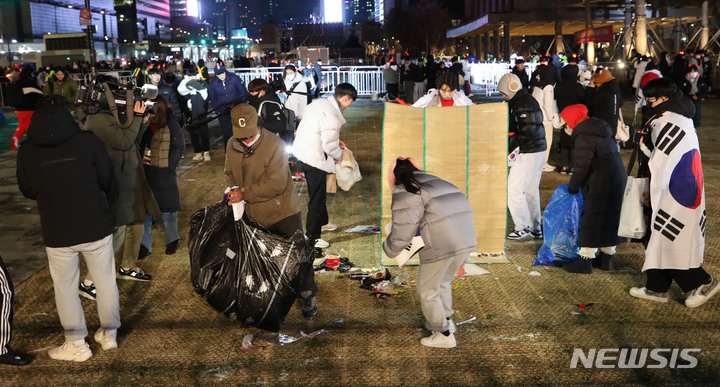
{"x": 445, "y": 220}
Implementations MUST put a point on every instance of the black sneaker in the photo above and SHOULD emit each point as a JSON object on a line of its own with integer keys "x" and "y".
{"x": 144, "y": 252}
{"x": 172, "y": 247}
{"x": 134, "y": 274}
{"x": 310, "y": 308}
{"x": 15, "y": 358}
{"x": 537, "y": 234}
{"x": 87, "y": 291}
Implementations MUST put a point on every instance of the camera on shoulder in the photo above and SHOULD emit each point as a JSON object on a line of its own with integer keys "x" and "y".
{"x": 107, "y": 93}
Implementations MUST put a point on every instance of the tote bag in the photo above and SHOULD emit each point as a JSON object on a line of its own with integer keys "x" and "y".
{"x": 632, "y": 219}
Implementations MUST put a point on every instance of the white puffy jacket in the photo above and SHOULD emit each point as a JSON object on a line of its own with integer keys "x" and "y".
{"x": 546, "y": 99}
{"x": 432, "y": 99}
{"x": 317, "y": 142}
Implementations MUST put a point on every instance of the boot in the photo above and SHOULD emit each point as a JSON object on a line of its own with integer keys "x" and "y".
{"x": 605, "y": 262}
{"x": 582, "y": 265}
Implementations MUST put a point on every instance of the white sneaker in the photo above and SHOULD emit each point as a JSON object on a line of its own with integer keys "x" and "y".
{"x": 329, "y": 227}
{"x": 548, "y": 168}
{"x": 648, "y": 295}
{"x": 197, "y": 157}
{"x": 70, "y": 352}
{"x": 452, "y": 328}
{"x": 321, "y": 244}
{"x": 107, "y": 338}
{"x": 703, "y": 293}
{"x": 438, "y": 340}
{"x": 206, "y": 156}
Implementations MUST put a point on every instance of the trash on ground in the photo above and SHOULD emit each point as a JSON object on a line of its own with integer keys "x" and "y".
{"x": 575, "y": 313}
{"x": 365, "y": 229}
{"x": 473, "y": 269}
{"x": 340, "y": 264}
{"x": 298, "y": 177}
{"x": 285, "y": 339}
{"x": 584, "y": 306}
{"x": 519, "y": 269}
{"x": 534, "y": 273}
{"x": 376, "y": 277}
{"x": 312, "y": 335}
{"x": 189, "y": 179}
{"x": 342, "y": 320}
{"x": 401, "y": 279}
{"x": 43, "y": 349}
{"x": 247, "y": 344}
{"x": 467, "y": 321}
{"x": 221, "y": 372}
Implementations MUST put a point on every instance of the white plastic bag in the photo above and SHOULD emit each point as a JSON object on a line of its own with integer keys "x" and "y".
{"x": 632, "y": 219}
{"x": 346, "y": 175}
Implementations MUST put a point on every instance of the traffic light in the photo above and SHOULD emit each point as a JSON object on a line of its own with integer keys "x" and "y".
{"x": 214, "y": 41}
{"x": 192, "y": 42}
{"x": 202, "y": 41}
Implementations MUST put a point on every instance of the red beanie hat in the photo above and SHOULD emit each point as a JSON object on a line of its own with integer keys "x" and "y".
{"x": 574, "y": 114}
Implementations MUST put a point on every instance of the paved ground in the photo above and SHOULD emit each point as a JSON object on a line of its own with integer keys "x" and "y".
{"x": 526, "y": 328}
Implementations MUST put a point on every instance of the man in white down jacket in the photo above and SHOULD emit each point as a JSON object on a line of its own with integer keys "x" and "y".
{"x": 317, "y": 145}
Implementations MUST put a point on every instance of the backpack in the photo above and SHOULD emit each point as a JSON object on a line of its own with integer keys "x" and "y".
{"x": 282, "y": 124}
{"x": 308, "y": 94}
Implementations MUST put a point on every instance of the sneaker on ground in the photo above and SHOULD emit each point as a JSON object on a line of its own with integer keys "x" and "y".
{"x": 322, "y": 244}
{"x": 452, "y": 328}
{"x": 87, "y": 291}
{"x": 106, "y": 338}
{"x": 438, "y": 340}
{"x": 70, "y": 352}
{"x": 537, "y": 234}
{"x": 206, "y": 156}
{"x": 548, "y": 168}
{"x": 703, "y": 293}
{"x": 648, "y": 295}
{"x": 134, "y": 274}
{"x": 329, "y": 227}
{"x": 518, "y": 234}
{"x": 310, "y": 308}
{"x": 198, "y": 157}
{"x": 15, "y": 358}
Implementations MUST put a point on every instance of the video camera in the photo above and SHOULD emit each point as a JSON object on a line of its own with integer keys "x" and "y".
{"x": 106, "y": 93}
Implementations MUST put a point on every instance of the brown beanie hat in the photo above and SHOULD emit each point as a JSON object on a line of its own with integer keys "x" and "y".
{"x": 603, "y": 77}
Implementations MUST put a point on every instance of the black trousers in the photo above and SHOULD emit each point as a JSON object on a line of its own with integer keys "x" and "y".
{"x": 659, "y": 280}
{"x": 200, "y": 139}
{"x": 6, "y": 312}
{"x": 225, "y": 127}
{"x": 317, "y": 210}
{"x": 392, "y": 90}
{"x": 289, "y": 228}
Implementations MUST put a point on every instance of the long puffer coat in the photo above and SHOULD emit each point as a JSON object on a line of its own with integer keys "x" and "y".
{"x": 163, "y": 181}
{"x": 442, "y": 214}
{"x": 604, "y": 102}
{"x": 599, "y": 171}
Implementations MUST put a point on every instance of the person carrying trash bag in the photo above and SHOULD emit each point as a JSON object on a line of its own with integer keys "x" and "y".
{"x": 600, "y": 173}
{"x": 443, "y": 216}
{"x": 257, "y": 171}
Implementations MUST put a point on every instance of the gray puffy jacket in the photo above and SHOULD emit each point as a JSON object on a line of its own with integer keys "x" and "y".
{"x": 441, "y": 212}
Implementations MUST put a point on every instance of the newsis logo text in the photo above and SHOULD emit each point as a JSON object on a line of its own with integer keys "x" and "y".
{"x": 635, "y": 358}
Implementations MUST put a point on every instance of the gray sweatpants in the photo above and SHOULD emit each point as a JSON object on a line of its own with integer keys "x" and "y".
{"x": 434, "y": 289}
{"x": 65, "y": 272}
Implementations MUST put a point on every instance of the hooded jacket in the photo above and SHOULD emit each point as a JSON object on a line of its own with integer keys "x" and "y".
{"x": 70, "y": 175}
{"x": 433, "y": 99}
{"x": 262, "y": 173}
{"x": 600, "y": 172}
{"x": 133, "y": 199}
{"x": 526, "y": 122}
{"x": 604, "y": 102}
{"x": 68, "y": 88}
{"x": 442, "y": 215}
{"x": 569, "y": 91}
{"x": 543, "y": 75}
{"x": 171, "y": 96}
{"x": 224, "y": 92}
{"x": 522, "y": 74}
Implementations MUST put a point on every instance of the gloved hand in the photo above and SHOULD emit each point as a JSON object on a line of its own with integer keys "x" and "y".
{"x": 573, "y": 190}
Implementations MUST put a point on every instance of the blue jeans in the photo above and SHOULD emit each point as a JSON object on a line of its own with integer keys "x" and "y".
{"x": 171, "y": 229}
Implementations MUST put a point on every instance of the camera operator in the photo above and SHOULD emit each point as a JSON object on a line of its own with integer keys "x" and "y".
{"x": 133, "y": 200}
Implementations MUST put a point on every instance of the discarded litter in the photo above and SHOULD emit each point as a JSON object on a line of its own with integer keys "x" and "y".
{"x": 401, "y": 279}
{"x": 519, "y": 269}
{"x": 247, "y": 344}
{"x": 333, "y": 262}
{"x": 312, "y": 335}
{"x": 38, "y": 350}
{"x": 342, "y": 320}
{"x": 575, "y": 313}
{"x": 365, "y": 229}
{"x": 221, "y": 372}
{"x": 467, "y": 321}
{"x": 189, "y": 179}
{"x": 298, "y": 177}
{"x": 534, "y": 273}
{"x": 285, "y": 339}
{"x": 473, "y": 269}
{"x": 383, "y": 286}
{"x": 584, "y": 306}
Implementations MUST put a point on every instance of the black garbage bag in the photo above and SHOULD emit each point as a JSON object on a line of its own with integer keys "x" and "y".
{"x": 244, "y": 271}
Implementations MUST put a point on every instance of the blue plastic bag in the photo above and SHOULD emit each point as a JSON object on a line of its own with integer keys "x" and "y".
{"x": 561, "y": 229}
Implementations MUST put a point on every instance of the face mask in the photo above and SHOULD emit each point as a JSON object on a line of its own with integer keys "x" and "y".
{"x": 290, "y": 75}
{"x": 692, "y": 75}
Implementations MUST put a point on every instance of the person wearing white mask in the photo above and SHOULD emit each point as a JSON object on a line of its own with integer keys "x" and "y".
{"x": 296, "y": 90}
